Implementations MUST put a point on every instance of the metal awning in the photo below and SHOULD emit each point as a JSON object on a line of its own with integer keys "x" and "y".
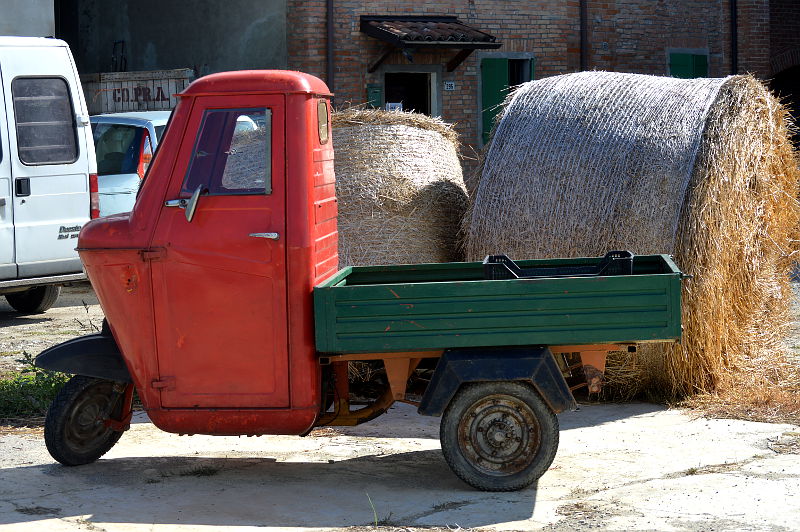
{"x": 426, "y": 33}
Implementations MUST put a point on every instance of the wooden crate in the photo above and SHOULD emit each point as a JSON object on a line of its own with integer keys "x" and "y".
{"x": 116, "y": 92}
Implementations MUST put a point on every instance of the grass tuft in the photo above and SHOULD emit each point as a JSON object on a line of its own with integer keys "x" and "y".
{"x": 29, "y": 392}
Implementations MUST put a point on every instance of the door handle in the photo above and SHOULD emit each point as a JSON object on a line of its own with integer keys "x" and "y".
{"x": 271, "y": 236}
{"x": 22, "y": 187}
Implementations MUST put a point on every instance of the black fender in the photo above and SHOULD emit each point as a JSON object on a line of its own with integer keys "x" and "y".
{"x": 93, "y": 355}
{"x": 535, "y": 365}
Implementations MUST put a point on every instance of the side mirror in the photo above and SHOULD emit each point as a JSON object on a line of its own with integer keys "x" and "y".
{"x": 191, "y": 205}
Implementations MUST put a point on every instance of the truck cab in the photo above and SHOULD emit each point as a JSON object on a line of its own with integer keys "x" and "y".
{"x": 194, "y": 280}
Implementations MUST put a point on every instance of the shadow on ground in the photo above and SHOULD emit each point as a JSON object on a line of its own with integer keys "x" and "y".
{"x": 408, "y": 488}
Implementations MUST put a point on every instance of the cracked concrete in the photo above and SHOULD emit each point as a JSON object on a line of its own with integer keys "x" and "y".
{"x": 619, "y": 467}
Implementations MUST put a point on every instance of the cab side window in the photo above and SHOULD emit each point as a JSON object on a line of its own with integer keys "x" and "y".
{"x": 232, "y": 153}
{"x": 45, "y": 121}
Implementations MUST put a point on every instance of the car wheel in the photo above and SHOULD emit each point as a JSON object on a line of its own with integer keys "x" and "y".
{"x": 34, "y": 300}
{"x": 499, "y": 436}
{"x": 74, "y": 431}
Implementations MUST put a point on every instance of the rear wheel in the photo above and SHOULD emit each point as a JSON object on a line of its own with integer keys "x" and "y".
{"x": 34, "y": 300}
{"x": 499, "y": 436}
{"x": 74, "y": 431}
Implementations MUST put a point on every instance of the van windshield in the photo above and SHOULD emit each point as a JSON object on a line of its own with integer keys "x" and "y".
{"x": 117, "y": 148}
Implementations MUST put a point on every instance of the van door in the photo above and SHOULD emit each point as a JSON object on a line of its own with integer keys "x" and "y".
{"x": 49, "y": 157}
{"x": 8, "y": 268}
{"x": 219, "y": 280}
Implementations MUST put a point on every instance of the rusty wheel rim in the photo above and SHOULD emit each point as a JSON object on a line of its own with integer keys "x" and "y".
{"x": 85, "y": 428}
{"x": 499, "y": 435}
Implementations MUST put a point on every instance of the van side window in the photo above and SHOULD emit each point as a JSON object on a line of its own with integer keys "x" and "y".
{"x": 232, "y": 153}
{"x": 45, "y": 121}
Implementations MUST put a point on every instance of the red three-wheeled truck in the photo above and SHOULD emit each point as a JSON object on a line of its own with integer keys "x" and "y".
{"x": 226, "y": 311}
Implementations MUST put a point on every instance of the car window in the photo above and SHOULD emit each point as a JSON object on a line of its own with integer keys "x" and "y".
{"x": 159, "y": 132}
{"x": 117, "y": 148}
{"x": 44, "y": 120}
{"x": 232, "y": 153}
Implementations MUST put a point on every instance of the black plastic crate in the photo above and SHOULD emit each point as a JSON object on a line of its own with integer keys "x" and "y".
{"x": 498, "y": 267}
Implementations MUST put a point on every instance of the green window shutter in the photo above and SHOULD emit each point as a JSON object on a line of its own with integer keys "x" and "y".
{"x": 533, "y": 64}
{"x": 494, "y": 87}
{"x": 375, "y": 95}
{"x": 681, "y": 65}
{"x": 688, "y": 66}
{"x": 700, "y": 64}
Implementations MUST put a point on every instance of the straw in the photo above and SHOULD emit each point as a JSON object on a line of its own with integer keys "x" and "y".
{"x": 400, "y": 188}
{"x": 702, "y": 169}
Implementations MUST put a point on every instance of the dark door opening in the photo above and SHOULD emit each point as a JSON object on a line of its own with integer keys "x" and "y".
{"x": 786, "y": 85}
{"x": 412, "y": 89}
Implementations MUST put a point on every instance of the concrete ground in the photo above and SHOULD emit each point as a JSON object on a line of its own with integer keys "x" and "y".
{"x": 619, "y": 467}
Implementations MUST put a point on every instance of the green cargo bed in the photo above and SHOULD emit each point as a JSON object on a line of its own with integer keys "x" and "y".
{"x": 423, "y": 307}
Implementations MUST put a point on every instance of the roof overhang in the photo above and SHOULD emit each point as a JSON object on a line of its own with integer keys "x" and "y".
{"x": 426, "y": 33}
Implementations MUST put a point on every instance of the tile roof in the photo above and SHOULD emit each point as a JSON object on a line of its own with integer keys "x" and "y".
{"x": 424, "y": 31}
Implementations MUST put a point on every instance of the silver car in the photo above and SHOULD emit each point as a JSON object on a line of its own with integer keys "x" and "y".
{"x": 124, "y": 144}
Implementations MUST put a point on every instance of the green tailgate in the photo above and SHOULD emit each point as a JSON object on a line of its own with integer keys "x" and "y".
{"x": 435, "y": 306}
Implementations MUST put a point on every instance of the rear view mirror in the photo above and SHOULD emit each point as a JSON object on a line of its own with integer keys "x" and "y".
{"x": 191, "y": 205}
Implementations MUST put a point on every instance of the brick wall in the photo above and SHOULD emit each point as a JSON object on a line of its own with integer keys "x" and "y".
{"x": 635, "y": 35}
{"x": 546, "y": 28}
{"x": 784, "y": 24}
{"x": 754, "y": 43}
{"x": 624, "y": 35}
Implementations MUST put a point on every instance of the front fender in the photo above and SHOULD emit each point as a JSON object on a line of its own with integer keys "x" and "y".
{"x": 535, "y": 365}
{"x": 93, "y": 355}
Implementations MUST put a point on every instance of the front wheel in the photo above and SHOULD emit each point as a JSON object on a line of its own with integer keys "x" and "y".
{"x": 499, "y": 436}
{"x": 74, "y": 430}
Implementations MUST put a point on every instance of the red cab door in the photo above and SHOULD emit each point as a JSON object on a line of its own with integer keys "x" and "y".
{"x": 219, "y": 279}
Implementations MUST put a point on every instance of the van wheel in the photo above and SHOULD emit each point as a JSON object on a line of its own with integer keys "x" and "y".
{"x": 34, "y": 300}
{"x": 499, "y": 436}
{"x": 74, "y": 429}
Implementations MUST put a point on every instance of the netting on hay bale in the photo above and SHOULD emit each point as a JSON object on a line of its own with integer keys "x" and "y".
{"x": 400, "y": 188}
{"x": 702, "y": 169}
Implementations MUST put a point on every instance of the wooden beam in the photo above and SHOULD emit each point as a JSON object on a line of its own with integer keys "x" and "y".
{"x": 387, "y": 51}
{"x": 458, "y": 59}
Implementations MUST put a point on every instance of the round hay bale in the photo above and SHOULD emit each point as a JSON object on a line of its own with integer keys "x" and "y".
{"x": 400, "y": 188}
{"x": 702, "y": 169}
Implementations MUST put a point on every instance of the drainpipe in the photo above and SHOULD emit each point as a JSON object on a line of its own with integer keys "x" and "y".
{"x": 329, "y": 45}
{"x": 734, "y": 38}
{"x": 584, "y": 24}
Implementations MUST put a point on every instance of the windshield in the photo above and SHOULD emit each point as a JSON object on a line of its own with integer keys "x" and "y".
{"x": 159, "y": 131}
{"x": 117, "y": 148}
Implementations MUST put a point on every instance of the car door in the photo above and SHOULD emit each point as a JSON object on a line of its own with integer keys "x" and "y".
{"x": 8, "y": 267}
{"x": 219, "y": 279}
{"x": 48, "y": 157}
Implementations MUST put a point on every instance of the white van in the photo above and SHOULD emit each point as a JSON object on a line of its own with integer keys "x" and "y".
{"x": 47, "y": 170}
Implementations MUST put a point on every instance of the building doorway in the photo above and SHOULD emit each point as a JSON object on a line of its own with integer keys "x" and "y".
{"x": 411, "y": 90}
{"x": 786, "y": 85}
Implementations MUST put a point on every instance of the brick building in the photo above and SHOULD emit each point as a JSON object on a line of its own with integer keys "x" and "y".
{"x": 463, "y": 78}
{"x": 686, "y": 38}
